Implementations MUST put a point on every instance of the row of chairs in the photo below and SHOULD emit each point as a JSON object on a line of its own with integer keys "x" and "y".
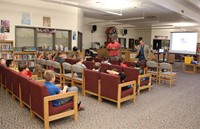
{"x": 161, "y": 72}
{"x": 112, "y": 91}
{"x": 35, "y": 96}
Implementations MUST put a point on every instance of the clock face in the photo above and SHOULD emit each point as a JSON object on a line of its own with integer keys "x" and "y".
{"x": 112, "y": 34}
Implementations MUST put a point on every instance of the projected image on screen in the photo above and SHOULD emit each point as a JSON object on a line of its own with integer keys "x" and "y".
{"x": 183, "y": 42}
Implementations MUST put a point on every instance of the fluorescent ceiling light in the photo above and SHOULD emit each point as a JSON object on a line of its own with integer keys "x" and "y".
{"x": 184, "y": 24}
{"x": 114, "y": 13}
{"x": 115, "y": 4}
{"x": 129, "y": 19}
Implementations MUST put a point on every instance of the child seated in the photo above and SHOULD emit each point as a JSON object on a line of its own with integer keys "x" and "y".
{"x": 121, "y": 75}
{"x": 106, "y": 60}
{"x": 24, "y": 70}
{"x": 96, "y": 66}
{"x": 49, "y": 77}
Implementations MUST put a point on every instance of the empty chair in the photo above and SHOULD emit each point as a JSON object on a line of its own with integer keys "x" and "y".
{"x": 111, "y": 89}
{"x": 41, "y": 104}
{"x": 42, "y": 66}
{"x": 58, "y": 71}
{"x": 152, "y": 67}
{"x": 15, "y": 84}
{"x": 166, "y": 73}
{"x": 91, "y": 86}
{"x": 8, "y": 80}
{"x": 67, "y": 73}
{"x": 77, "y": 76}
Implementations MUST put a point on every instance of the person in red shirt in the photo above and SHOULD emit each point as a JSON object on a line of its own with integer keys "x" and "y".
{"x": 113, "y": 49}
{"x": 24, "y": 70}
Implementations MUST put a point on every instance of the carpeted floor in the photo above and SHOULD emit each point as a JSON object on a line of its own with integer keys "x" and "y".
{"x": 177, "y": 107}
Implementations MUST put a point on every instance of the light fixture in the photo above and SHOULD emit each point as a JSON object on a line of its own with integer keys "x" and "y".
{"x": 184, "y": 24}
{"x": 115, "y": 4}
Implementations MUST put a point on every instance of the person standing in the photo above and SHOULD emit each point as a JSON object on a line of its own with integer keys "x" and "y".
{"x": 113, "y": 49}
{"x": 143, "y": 51}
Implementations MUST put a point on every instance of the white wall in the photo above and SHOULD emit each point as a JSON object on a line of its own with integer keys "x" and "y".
{"x": 62, "y": 17}
{"x": 97, "y": 36}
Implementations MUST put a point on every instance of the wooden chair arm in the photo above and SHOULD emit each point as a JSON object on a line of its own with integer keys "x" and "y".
{"x": 144, "y": 75}
{"x": 60, "y": 96}
{"x": 40, "y": 81}
{"x": 127, "y": 83}
{"x": 34, "y": 76}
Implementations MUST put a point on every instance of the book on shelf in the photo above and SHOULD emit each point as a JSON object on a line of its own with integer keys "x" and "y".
{"x": 5, "y": 47}
{"x": 6, "y": 55}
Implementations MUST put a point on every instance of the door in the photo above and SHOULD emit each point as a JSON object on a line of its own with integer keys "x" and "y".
{"x": 131, "y": 44}
{"x": 122, "y": 41}
{"x": 80, "y": 41}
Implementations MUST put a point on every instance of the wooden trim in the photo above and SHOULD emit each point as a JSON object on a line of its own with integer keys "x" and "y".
{"x": 48, "y": 118}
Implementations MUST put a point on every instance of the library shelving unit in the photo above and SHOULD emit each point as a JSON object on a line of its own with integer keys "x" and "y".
{"x": 27, "y": 57}
{"x": 6, "y": 49}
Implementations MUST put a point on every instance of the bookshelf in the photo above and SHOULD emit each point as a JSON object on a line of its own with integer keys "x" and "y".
{"x": 28, "y": 57}
{"x": 6, "y": 49}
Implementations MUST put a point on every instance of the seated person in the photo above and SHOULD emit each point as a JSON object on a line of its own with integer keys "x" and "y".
{"x": 24, "y": 70}
{"x": 121, "y": 75}
{"x": 96, "y": 66}
{"x": 60, "y": 58}
{"x": 49, "y": 77}
{"x": 138, "y": 66}
{"x": 106, "y": 60}
{"x": 74, "y": 56}
{"x": 9, "y": 63}
{"x": 121, "y": 62}
{"x": 2, "y": 61}
{"x": 80, "y": 63}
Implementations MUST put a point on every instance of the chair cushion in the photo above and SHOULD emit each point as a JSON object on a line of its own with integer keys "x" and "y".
{"x": 126, "y": 92}
{"x": 69, "y": 75}
{"x": 62, "y": 108}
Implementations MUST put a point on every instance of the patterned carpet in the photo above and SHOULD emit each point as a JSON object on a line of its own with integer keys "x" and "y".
{"x": 177, "y": 107}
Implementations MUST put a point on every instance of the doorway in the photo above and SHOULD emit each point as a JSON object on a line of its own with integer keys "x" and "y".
{"x": 80, "y": 41}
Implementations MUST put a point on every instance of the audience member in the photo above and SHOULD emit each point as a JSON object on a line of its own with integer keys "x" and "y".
{"x": 80, "y": 63}
{"x": 60, "y": 58}
{"x": 49, "y": 77}
{"x": 106, "y": 60}
{"x": 97, "y": 66}
{"x": 2, "y": 61}
{"x": 24, "y": 70}
{"x": 9, "y": 63}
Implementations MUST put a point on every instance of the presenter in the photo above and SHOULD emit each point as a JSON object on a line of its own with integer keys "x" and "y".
{"x": 113, "y": 48}
{"x": 143, "y": 51}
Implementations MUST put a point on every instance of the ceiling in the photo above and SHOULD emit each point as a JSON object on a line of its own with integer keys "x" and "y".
{"x": 141, "y": 13}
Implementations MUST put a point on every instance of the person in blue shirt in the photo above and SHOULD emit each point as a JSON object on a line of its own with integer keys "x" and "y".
{"x": 49, "y": 77}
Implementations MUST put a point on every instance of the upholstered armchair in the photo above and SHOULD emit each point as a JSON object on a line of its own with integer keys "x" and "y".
{"x": 91, "y": 82}
{"x": 111, "y": 89}
{"x": 41, "y": 104}
{"x": 142, "y": 81}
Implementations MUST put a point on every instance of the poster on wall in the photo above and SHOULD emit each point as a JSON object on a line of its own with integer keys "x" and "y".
{"x": 47, "y": 21}
{"x": 5, "y": 26}
{"x": 25, "y": 18}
